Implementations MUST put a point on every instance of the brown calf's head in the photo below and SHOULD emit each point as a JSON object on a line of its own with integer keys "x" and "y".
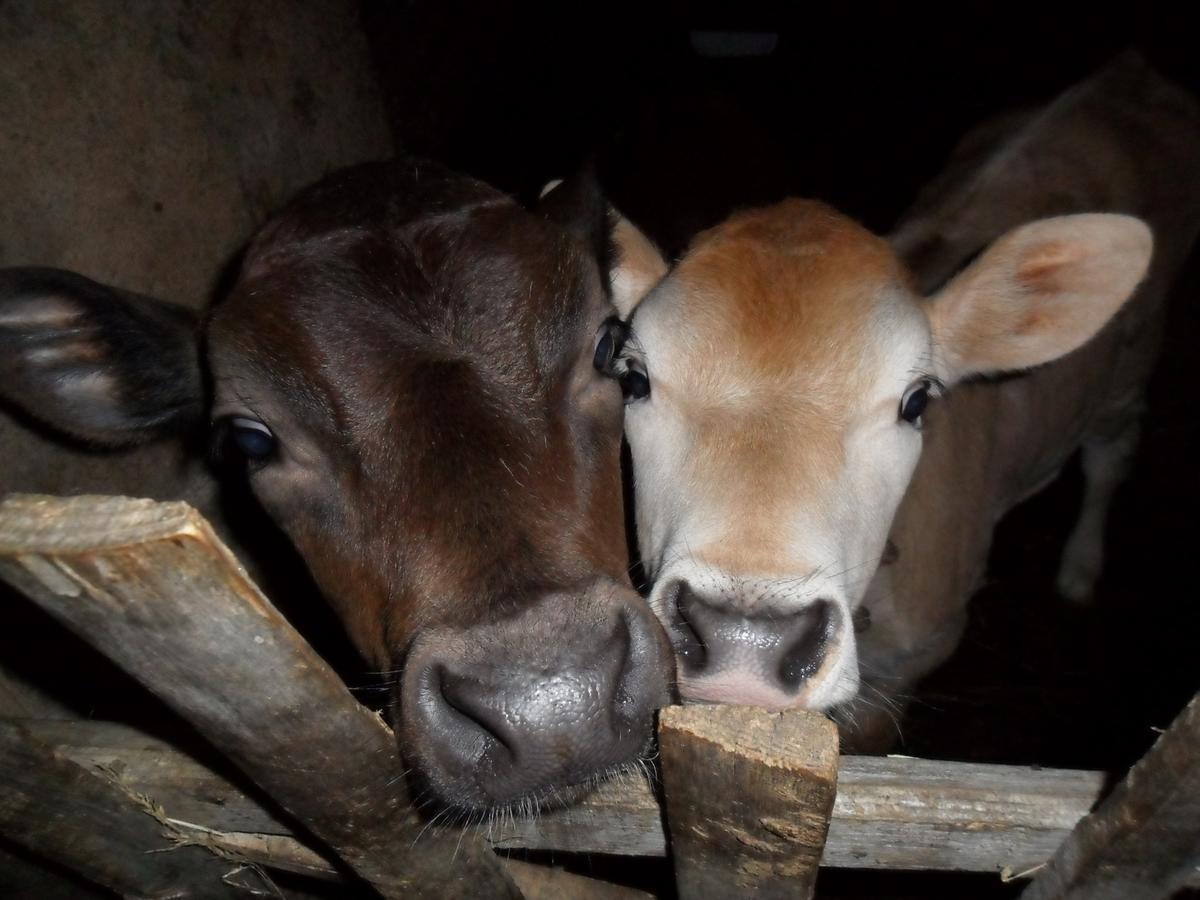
{"x": 790, "y": 362}
{"x": 416, "y": 376}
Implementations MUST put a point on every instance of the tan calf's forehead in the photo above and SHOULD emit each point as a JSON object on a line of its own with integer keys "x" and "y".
{"x": 786, "y": 296}
{"x": 771, "y": 333}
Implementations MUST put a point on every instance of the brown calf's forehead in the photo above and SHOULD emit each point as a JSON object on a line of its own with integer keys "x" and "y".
{"x": 330, "y": 296}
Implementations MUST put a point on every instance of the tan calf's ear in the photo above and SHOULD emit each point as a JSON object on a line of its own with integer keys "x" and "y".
{"x": 1037, "y": 293}
{"x": 638, "y": 268}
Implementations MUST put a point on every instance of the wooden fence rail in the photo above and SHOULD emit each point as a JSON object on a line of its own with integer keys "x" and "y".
{"x": 150, "y": 586}
{"x": 749, "y": 793}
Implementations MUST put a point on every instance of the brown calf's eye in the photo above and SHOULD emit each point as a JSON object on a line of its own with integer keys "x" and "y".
{"x": 251, "y": 439}
{"x": 605, "y": 351}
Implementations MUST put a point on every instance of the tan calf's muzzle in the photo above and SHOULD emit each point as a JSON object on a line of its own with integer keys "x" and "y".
{"x": 763, "y": 657}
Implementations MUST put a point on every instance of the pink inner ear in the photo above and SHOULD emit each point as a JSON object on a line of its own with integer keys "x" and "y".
{"x": 1042, "y": 266}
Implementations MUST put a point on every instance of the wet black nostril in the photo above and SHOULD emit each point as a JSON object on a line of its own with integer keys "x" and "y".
{"x": 463, "y": 697}
{"x": 689, "y": 646}
{"x": 810, "y": 634}
{"x": 624, "y": 682}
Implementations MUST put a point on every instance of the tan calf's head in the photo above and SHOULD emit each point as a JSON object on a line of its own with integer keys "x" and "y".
{"x": 789, "y": 362}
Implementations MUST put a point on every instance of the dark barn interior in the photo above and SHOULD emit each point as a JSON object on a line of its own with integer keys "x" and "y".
{"x": 858, "y": 105}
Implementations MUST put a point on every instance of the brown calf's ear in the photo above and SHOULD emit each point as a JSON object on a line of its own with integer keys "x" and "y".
{"x": 578, "y": 205}
{"x": 95, "y": 363}
{"x": 1037, "y": 293}
{"x": 633, "y": 264}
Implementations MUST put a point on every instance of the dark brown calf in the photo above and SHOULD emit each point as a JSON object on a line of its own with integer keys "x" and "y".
{"x": 414, "y": 375}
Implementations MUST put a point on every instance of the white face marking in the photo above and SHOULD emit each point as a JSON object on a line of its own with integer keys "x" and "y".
{"x": 770, "y": 500}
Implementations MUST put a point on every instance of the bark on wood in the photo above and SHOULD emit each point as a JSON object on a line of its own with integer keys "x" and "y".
{"x": 1143, "y": 841}
{"x": 763, "y": 831}
{"x": 90, "y": 825}
{"x": 150, "y": 586}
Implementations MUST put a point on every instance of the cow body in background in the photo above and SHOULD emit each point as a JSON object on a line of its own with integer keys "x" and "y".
{"x": 794, "y": 371}
{"x": 414, "y": 375}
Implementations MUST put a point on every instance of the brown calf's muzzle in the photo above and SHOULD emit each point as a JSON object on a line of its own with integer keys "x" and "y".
{"x": 553, "y": 696}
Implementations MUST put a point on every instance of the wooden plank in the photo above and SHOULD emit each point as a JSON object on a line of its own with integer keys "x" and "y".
{"x": 150, "y": 586}
{"x": 890, "y": 812}
{"x": 902, "y": 813}
{"x": 749, "y": 794}
{"x": 90, "y": 825}
{"x": 1143, "y": 841}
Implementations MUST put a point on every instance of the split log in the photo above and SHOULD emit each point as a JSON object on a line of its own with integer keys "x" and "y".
{"x": 150, "y": 586}
{"x": 93, "y": 827}
{"x": 749, "y": 794}
{"x": 1143, "y": 841}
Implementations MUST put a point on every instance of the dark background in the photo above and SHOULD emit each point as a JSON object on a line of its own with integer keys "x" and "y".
{"x": 859, "y": 105}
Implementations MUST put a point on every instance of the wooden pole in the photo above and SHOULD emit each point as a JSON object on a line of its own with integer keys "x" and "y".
{"x": 749, "y": 794}
{"x": 1143, "y": 841}
{"x": 152, "y": 587}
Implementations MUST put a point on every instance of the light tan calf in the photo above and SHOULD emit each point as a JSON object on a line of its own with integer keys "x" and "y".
{"x": 791, "y": 357}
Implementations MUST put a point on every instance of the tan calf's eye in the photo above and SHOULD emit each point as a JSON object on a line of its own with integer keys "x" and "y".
{"x": 915, "y": 400}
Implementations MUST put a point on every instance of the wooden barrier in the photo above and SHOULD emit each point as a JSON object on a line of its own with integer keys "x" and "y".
{"x": 749, "y": 793}
{"x": 1143, "y": 842}
{"x": 150, "y": 586}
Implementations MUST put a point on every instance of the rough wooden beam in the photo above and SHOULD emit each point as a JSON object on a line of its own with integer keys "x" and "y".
{"x": 188, "y": 789}
{"x": 890, "y": 812}
{"x": 92, "y": 826}
{"x": 901, "y": 813}
{"x": 762, "y": 832}
{"x": 199, "y": 804}
{"x": 1143, "y": 841}
{"x": 150, "y": 586}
